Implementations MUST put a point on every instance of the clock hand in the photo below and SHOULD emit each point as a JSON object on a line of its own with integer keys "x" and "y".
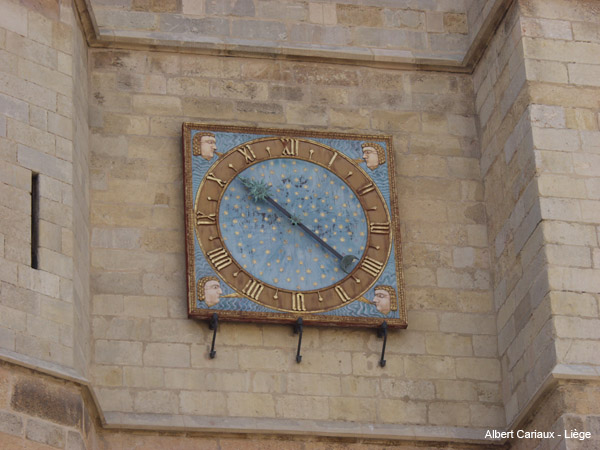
{"x": 260, "y": 191}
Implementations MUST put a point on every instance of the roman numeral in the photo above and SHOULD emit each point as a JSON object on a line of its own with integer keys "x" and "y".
{"x": 219, "y": 258}
{"x": 249, "y": 155}
{"x": 366, "y": 189}
{"x": 379, "y": 228}
{"x": 298, "y": 302}
{"x": 342, "y": 294}
{"x": 372, "y": 266}
{"x": 253, "y": 289}
{"x": 211, "y": 177}
{"x": 290, "y": 147}
{"x": 205, "y": 219}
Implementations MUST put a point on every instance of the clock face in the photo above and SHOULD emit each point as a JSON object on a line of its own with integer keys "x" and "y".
{"x": 291, "y": 225}
{"x": 268, "y": 245}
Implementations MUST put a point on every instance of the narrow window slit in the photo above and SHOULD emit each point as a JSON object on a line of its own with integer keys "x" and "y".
{"x": 35, "y": 214}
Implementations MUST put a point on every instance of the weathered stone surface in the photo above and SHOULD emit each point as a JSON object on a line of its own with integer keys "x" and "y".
{"x": 56, "y": 404}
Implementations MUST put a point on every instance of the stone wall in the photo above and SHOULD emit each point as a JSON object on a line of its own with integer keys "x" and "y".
{"x": 150, "y": 359}
{"x": 432, "y": 29}
{"x": 538, "y": 109}
{"x": 39, "y": 412}
{"x": 498, "y": 179}
{"x": 81, "y": 211}
{"x": 43, "y": 130}
{"x": 561, "y": 46}
{"x": 508, "y": 168}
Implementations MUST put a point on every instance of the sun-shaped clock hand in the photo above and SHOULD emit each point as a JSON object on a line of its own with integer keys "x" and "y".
{"x": 259, "y": 190}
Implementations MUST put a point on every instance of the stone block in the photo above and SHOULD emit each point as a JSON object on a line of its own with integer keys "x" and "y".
{"x": 57, "y": 263}
{"x": 7, "y": 338}
{"x": 455, "y": 390}
{"x": 45, "y": 433}
{"x": 126, "y": 124}
{"x": 56, "y": 404}
{"x": 573, "y": 304}
{"x": 118, "y": 352}
{"x": 423, "y": 320}
{"x": 547, "y": 116}
{"x": 45, "y": 329}
{"x": 401, "y": 411}
{"x": 306, "y": 115}
{"x": 39, "y": 281}
{"x": 573, "y": 351}
{"x": 484, "y": 369}
{"x": 558, "y": 50}
{"x": 368, "y": 364}
{"x": 167, "y": 355}
{"x": 302, "y": 407}
{"x": 449, "y": 413}
{"x": 112, "y": 399}
{"x": 565, "y": 255}
{"x": 269, "y": 382}
{"x": 407, "y": 389}
{"x": 403, "y": 18}
{"x": 14, "y": 108}
{"x": 353, "y": 386}
{"x": 467, "y": 323}
{"x": 250, "y": 404}
{"x": 545, "y": 28}
{"x": 349, "y": 119}
{"x": 455, "y": 23}
{"x": 358, "y": 15}
{"x": 156, "y": 105}
{"x": 569, "y": 233}
{"x": 228, "y": 358}
{"x": 586, "y": 31}
{"x": 259, "y": 30}
{"x": 584, "y": 74}
{"x": 448, "y": 345}
{"x": 429, "y": 367}
{"x": 435, "y": 21}
{"x": 116, "y": 283}
{"x": 561, "y": 209}
{"x": 110, "y": 376}
{"x": 575, "y": 327}
{"x": 561, "y": 186}
{"x": 188, "y": 86}
{"x": 107, "y": 304}
{"x": 43, "y": 163}
{"x": 179, "y": 331}
{"x": 121, "y": 328}
{"x": 587, "y": 164}
{"x": 396, "y": 121}
{"x": 581, "y": 119}
{"x": 313, "y": 384}
{"x": 156, "y": 402}
{"x": 10, "y": 423}
{"x": 354, "y": 409}
{"x": 63, "y": 127}
{"x": 74, "y": 441}
{"x": 143, "y": 377}
{"x": 124, "y": 238}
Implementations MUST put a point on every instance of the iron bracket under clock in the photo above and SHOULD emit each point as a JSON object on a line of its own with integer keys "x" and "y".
{"x": 283, "y": 225}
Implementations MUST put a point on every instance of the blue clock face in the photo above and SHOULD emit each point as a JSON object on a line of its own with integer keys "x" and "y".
{"x": 292, "y": 224}
{"x": 270, "y": 247}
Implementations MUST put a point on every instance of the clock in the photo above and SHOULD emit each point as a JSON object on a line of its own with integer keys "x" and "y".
{"x": 284, "y": 225}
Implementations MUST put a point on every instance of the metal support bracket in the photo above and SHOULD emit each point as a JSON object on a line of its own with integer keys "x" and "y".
{"x": 213, "y": 325}
{"x": 298, "y": 331}
{"x": 382, "y": 332}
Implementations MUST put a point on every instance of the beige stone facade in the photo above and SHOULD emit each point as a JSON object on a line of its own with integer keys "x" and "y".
{"x": 494, "y": 109}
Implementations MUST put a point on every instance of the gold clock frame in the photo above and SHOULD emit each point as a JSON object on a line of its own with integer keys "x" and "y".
{"x": 210, "y": 240}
